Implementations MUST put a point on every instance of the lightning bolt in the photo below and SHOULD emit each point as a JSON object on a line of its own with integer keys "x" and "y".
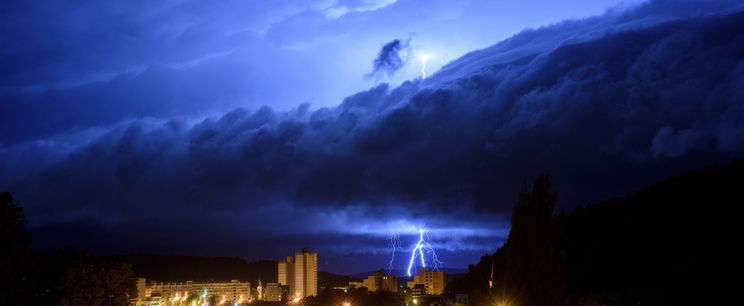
{"x": 417, "y": 249}
{"x": 394, "y": 243}
{"x": 423, "y": 243}
{"x": 421, "y": 251}
{"x": 423, "y": 66}
{"x": 434, "y": 259}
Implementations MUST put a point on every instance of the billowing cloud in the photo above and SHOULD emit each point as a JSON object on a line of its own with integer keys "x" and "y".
{"x": 603, "y": 115}
{"x": 72, "y": 66}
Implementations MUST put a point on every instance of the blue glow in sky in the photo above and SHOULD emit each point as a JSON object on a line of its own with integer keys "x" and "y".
{"x": 124, "y": 122}
{"x": 248, "y": 53}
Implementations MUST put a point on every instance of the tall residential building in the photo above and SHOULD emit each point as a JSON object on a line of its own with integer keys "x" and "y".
{"x": 300, "y": 274}
{"x": 286, "y": 273}
{"x": 306, "y": 274}
{"x": 380, "y": 282}
{"x": 433, "y": 282}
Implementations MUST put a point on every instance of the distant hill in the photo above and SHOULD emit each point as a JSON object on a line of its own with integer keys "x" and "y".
{"x": 326, "y": 279}
{"x": 401, "y": 273}
{"x": 197, "y": 268}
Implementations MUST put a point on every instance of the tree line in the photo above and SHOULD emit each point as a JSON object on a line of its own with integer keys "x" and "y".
{"x": 67, "y": 277}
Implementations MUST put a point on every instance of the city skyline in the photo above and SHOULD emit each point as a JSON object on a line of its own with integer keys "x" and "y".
{"x": 296, "y": 281}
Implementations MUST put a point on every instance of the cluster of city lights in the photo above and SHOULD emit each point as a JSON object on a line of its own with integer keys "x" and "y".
{"x": 179, "y": 297}
{"x": 422, "y": 255}
{"x": 202, "y": 299}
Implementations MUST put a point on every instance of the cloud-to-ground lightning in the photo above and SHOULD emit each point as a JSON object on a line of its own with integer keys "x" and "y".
{"x": 436, "y": 264}
{"x": 394, "y": 244}
{"x": 416, "y": 249}
{"x": 423, "y": 243}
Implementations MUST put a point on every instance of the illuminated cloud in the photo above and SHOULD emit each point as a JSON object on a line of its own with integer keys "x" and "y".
{"x": 603, "y": 111}
{"x": 343, "y": 7}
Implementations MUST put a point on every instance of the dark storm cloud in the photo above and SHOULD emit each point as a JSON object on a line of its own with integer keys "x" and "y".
{"x": 161, "y": 91}
{"x": 603, "y": 116}
{"x": 69, "y": 66}
{"x": 390, "y": 58}
{"x": 46, "y": 42}
{"x": 75, "y": 65}
{"x": 634, "y": 99}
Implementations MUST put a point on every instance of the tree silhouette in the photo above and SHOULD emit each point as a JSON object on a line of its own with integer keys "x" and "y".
{"x": 88, "y": 281}
{"x": 15, "y": 255}
{"x": 533, "y": 259}
{"x": 70, "y": 277}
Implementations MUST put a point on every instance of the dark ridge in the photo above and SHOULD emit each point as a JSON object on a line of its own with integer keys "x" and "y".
{"x": 402, "y": 272}
{"x": 206, "y": 269}
{"x": 673, "y": 243}
{"x": 675, "y": 236}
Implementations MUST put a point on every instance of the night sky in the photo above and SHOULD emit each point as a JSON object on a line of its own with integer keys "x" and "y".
{"x": 255, "y": 128}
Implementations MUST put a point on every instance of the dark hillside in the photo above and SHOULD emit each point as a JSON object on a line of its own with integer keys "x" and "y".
{"x": 675, "y": 236}
{"x": 672, "y": 243}
{"x": 196, "y": 268}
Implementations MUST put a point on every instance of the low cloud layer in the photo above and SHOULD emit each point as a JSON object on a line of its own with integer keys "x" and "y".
{"x": 603, "y": 116}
